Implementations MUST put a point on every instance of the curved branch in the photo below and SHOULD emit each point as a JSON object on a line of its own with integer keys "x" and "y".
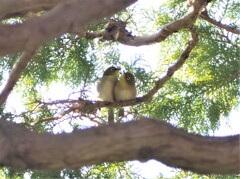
{"x": 171, "y": 70}
{"x": 36, "y": 31}
{"x": 204, "y": 15}
{"x": 116, "y": 31}
{"x": 15, "y": 74}
{"x": 138, "y": 140}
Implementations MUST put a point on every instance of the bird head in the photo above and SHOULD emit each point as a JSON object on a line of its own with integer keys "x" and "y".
{"x": 112, "y": 71}
{"x": 128, "y": 78}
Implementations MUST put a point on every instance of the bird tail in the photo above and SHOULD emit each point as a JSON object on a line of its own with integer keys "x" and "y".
{"x": 121, "y": 112}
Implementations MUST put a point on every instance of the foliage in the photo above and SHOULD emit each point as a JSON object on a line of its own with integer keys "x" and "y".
{"x": 186, "y": 175}
{"x": 105, "y": 170}
{"x": 9, "y": 173}
{"x": 203, "y": 91}
{"x": 207, "y": 87}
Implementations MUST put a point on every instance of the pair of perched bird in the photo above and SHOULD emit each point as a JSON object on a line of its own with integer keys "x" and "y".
{"x": 111, "y": 89}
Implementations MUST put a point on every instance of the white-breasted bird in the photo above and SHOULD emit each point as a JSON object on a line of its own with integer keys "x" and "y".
{"x": 125, "y": 89}
{"x": 106, "y": 84}
{"x": 105, "y": 88}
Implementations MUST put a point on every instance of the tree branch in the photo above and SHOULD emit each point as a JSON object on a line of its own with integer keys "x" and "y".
{"x": 171, "y": 70}
{"x": 142, "y": 140}
{"x": 116, "y": 31}
{"x": 204, "y": 15}
{"x": 18, "y": 8}
{"x": 15, "y": 74}
{"x": 38, "y": 30}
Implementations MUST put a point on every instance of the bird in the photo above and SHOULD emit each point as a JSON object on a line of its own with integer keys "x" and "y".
{"x": 105, "y": 88}
{"x": 106, "y": 84}
{"x": 125, "y": 89}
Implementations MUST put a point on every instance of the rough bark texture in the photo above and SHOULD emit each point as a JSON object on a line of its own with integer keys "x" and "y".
{"x": 142, "y": 140}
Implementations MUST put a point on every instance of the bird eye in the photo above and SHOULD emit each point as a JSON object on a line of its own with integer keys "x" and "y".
{"x": 112, "y": 69}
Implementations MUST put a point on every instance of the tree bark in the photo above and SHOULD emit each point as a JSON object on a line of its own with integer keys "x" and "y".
{"x": 16, "y": 8}
{"x": 65, "y": 17}
{"x": 142, "y": 140}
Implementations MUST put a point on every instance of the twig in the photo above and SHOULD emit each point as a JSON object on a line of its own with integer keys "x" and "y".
{"x": 64, "y": 101}
{"x": 204, "y": 15}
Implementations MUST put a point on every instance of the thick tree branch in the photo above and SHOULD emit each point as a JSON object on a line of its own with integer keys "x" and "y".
{"x": 204, "y": 15}
{"x": 36, "y": 31}
{"x": 138, "y": 140}
{"x": 15, "y": 74}
{"x": 116, "y": 31}
{"x": 18, "y": 8}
